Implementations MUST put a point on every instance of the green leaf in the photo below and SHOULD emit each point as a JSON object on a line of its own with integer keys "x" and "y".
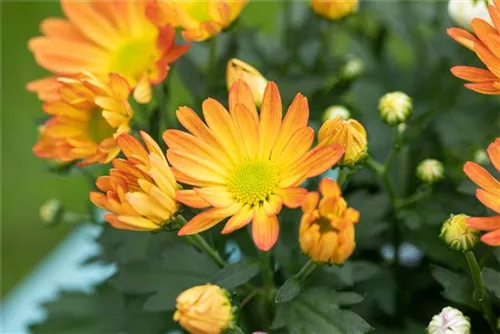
{"x": 316, "y": 310}
{"x": 237, "y": 274}
{"x": 457, "y": 288}
{"x": 491, "y": 280}
{"x": 288, "y": 291}
{"x": 106, "y": 310}
{"x": 165, "y": 276}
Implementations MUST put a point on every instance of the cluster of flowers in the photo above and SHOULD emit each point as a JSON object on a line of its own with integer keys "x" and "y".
{"x": 241, "y": 163}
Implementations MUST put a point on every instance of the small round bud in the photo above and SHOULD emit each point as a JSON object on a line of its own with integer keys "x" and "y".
{"x": 204, "y": 309}
{"x": 449, "y": 321}
{"x": 51, "y": 212}
{"x": 395, "y": 108}
{"x": 457, "y": 234}
{"x": 430, "y": 171}
{"x": 353, "y": 68}
{"x": 334, "y": 9}
{"x": 336, "y": 111}
{"x": 481, "y": 157}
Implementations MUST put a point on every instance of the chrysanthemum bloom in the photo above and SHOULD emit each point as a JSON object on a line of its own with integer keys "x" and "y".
{"x": 457, "y": 234}
{"x": 139, "y": 193}
{"x": 430, "y": 170}
{"x": 104, "y": 37}
{"x": 350, "y": 134}
{"x": 326, "y": 232}
{"x": 85, "y": 120}
{"x": 334, "y": 9}
{"x": 245, "y": 165}
{"x": 449, "y": 321}
{"x": 204, "y": 309}
{"x": 488, "y": 194}
{"x": 199, "y": 20}
{"x": 239, "y": 70}
{"x": 395, "y": 108}
{"x": 486, "y": 46}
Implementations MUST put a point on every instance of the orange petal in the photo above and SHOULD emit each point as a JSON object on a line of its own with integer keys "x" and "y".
{"x": 270, "y": 119}
{"x": 463, "y": 37}
{"x": 293, "y": 197}
{"x": 191, "y": 198}
{"x": 494, "y": 153}
{"x": 482, "y": 29}
{"x": 143, "y": 92}
{"x": 487, "y": 88}
{"x": 62, "y": 29}
{"x": 273, "y": 205}
{"x": 473, "y": 74}
{"x": 135, "y": 223}
{"x": 495, "y": 16}
{"x": 239, "y": 220}
{"x": 132, "y": 148}
{"x": 265, "y": 230}
{"x": 490, "y": 200}
{"x": 241, "y": 93}
{"x": 482, "y": 178}
{"x": 492, "y": 238}
{"x": 188, "y": 118}
{"x": 329, "y": 188}
{"x": 296, "y": 147}
{"x": 217, "y": 196}
{"x": 247, "y": 128}
{"x": 484, "y": 223}
{"x": 195, "y": 166}
{"x": 46, "y": 88}
{"x": 310, "y": 202}
{"x": 207, "y": 219}
{"x": 491, "y": 61}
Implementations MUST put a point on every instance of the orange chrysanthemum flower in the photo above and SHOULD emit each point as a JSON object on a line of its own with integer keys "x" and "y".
{"x": 488, "y": 194}
{"x": 243, "y": 165}
{"x": 104, "y": 37}
{"x": 327, "y": 230}
{"x": 140, "y": 190}
{"x": 86, "y": 118}
{"x": 487, "y": 47}
{"x": 199, "y": 20}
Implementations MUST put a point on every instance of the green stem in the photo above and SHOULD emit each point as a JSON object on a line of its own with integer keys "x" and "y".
{"x": 343, "y": 175}
{"x": 416, "y": 197}
{"x": 480, "y": 294}
{"x": 200, "y": 242}
{"x": 305, "y": 271}
{"x": 267, "y": 270}
{"x": 376, "y": 167}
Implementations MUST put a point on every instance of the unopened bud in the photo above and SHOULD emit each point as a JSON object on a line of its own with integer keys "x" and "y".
{"x": 395, "y": 108}
{"x": 239, "y": 70}
{"x": 430, "y": 171}
{"x": 51, "y": 212}
{"x": 336, "y": 111}
{"x": 457, "y": 234}
{"x": 449, "y": 321}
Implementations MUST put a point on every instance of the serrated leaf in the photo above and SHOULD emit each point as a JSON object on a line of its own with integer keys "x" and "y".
{"x": 492, "y": 281}
{"x": 237, "y": 274}
{"x": 288, "y": 291}
{"x": 177, "y": 268}
{"x": 316, "y": 311}
{"x": 457, "y": 288}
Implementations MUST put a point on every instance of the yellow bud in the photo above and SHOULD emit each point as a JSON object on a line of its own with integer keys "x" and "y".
{"x": 430, "y": 171}
{"x": 350, "y": 134}
{"x": 326, "y": 231}
{"x": 239, "y": 70}
{"x": 457, "y": 234}
{"x": 334, "y": 9}
{"x": 204, "y": 309}
{"x": 395, "y": 108}
{"x": 51, "y": 212}
{"x": 335, "y": 111}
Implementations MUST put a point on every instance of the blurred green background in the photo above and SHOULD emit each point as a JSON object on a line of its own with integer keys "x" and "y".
{"x": 26, "y": 181}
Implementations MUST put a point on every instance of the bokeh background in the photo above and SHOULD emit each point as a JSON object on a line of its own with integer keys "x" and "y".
{"x": 26, "y": 181}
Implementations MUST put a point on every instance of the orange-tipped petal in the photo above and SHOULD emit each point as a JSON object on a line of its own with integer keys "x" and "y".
{"x": 329, "y": 188}
{"x": 484, "y": 223}
{"x": 487, "y": 88}
{"x": 293, "y": 197}
{"x": 241, "y": 93}
{"x": 463, "y": 37}
{"x": 492, "y": 238}
{"x": 207, "y": 219}
{"x": 310, "y": 202}
{"x": 482, "y": 29}
{"x": 494, "y": 153}
{"x": 239, "y": 220}
{"x": 270, "y": 119}
{"x": 217, "y": 196}
{"x": 265, "y": 230}
{"x": 490, "y": 200}
{"x": 191, "y": 198}
{"x": 482, "y": 178}
{"x": 473, "y": 74}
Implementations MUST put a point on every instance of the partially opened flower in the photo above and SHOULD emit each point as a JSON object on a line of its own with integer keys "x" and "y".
{"x": 104, "y": 37}
{"x": 199, "y": 20}
{"x": 139, "y": 192}
{"x": 244, "y": 165}
{"x": 327, "y": 226}
{"x": 239, "y": 70}
{"x": 85, "y": 120}
{"x": 204, "y": 309}
{"x": 488, "y": 194}
{"x": 486, "y": 45}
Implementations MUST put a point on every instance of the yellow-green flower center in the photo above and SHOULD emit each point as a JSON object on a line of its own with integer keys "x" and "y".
{"x": 253, "y": 182}
{"x": 98, "y": 128}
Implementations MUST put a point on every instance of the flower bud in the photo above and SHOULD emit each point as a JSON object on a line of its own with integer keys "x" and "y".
{"x": 449, "y": 321}
{"x": 430, "y": 171}
{"x": 463, "y": 11}
{"x": 395, "y": 108}
{"x": 334, "y": 9}
{"x": 51, "y": 212}
{"x": 350, "y": 134}
{"x": 239, "y": 70}
{"x": 457, "y": 234}
{"x": 204, "y": 309}
{"x": 353, "y": 68}
{"x": 336, "y": 111}
{"x": 481, "y": 157}
{"x": 326, "y": 232}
